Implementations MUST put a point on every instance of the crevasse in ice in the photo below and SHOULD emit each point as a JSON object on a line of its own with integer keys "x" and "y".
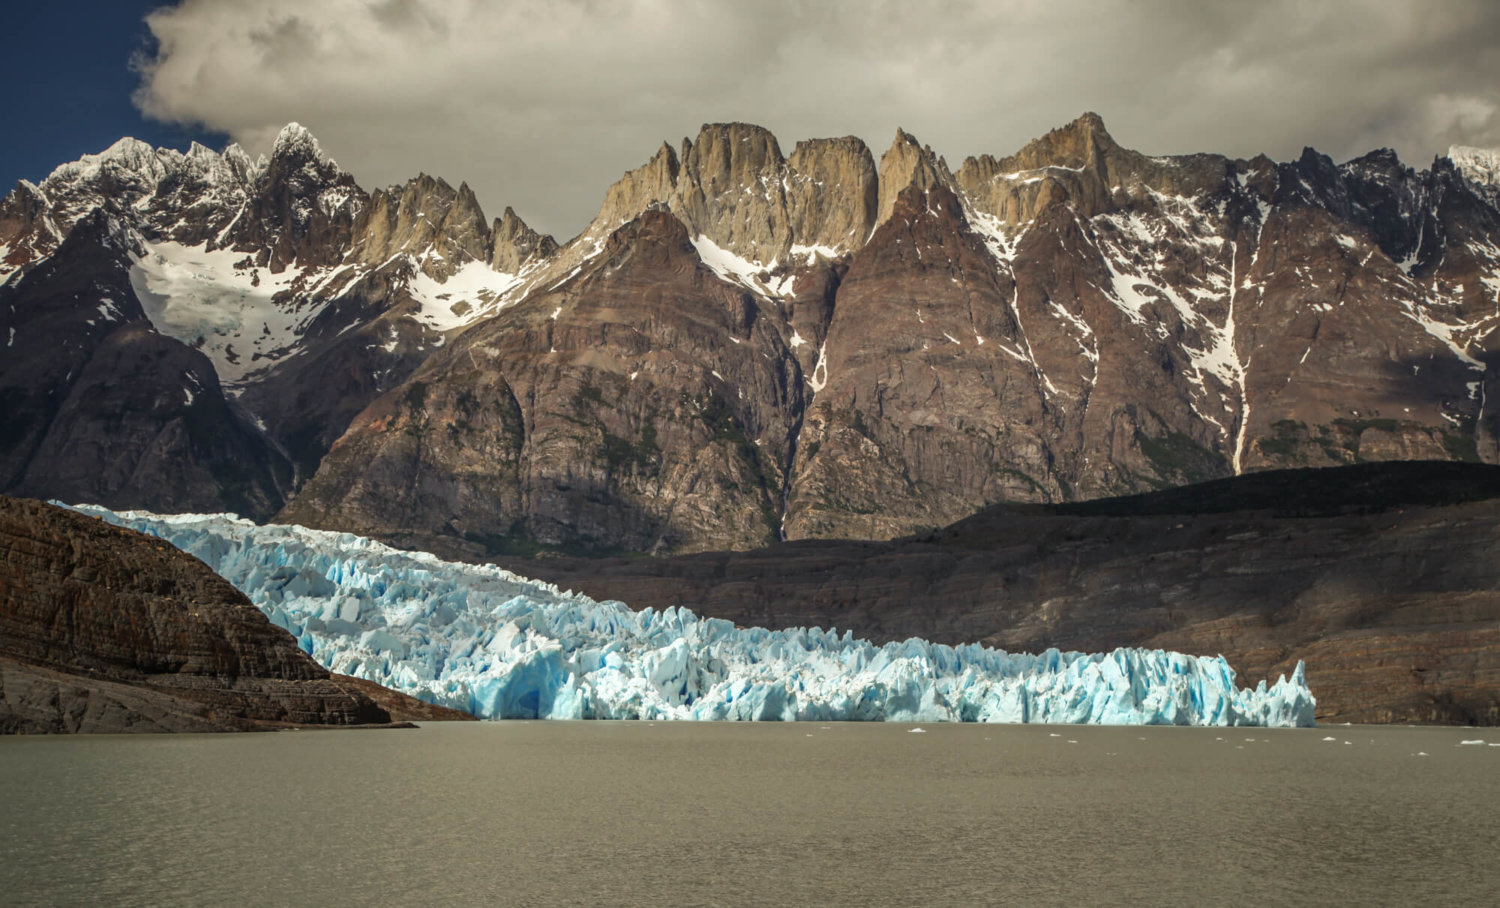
{"x": 481, "y": 639}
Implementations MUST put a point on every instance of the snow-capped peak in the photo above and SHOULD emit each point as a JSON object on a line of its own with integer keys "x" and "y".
{"x": 127, "y": 154}
{"x": 33, "y": 190}
{"x": 1480, "y": 166}
{"x": 294, "y": 139}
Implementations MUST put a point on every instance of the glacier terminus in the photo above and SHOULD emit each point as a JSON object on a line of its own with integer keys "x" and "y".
{"x": 481, "y": 639}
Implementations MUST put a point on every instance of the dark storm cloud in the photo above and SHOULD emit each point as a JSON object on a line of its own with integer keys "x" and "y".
{"x": 541, "y": 105}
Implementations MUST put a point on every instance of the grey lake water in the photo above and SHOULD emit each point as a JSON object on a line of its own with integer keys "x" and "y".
{"x": 634, "y": 813}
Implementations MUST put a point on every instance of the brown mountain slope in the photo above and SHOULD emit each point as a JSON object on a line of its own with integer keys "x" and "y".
{"x": 824, "y": 345}
{"x": 1073, "y": 322}
{"x": 106, "y": 630}
{"x": 635, "y": 406}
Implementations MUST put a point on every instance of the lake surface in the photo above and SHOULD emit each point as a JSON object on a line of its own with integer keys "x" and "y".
{"x": 631, "y": 813}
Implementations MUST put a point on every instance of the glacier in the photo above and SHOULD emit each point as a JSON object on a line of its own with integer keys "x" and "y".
{"x": 481, "y": 639}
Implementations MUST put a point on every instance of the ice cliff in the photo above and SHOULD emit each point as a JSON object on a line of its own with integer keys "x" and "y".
{"x": 484, "y": 640}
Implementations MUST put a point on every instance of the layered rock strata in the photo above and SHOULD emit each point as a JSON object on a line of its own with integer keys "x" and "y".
{"x": 1072, "y": 321}
{"x": 107, "y": 630}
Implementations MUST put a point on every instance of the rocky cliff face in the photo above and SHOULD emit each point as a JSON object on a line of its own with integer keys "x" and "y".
{"x": 608, "y": 413}
{"x": 100, "y": 407}
{"x": 307, "y": 296}
{"x": 106, "y": 630}
{"x": 900, "y": 344}
{"x": 1380, "y": 576}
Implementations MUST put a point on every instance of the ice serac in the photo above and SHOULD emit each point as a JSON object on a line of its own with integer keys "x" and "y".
{"x": 482, "y": 639}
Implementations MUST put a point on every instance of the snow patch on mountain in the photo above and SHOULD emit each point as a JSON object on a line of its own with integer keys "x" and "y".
{"x": 1480, "y": 166}
{"x": 479, "y": 638}
{"x": 1144, "y": 254}
{"x": 244, "y": 318}
{"x": 742, "y": 272}
{"x": 473, "y": 292}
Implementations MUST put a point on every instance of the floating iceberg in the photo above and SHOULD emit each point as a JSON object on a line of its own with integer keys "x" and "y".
{"x": 482, "y": 639}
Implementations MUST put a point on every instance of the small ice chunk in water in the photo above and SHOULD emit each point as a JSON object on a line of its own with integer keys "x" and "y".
{"x": 916, "y": 731}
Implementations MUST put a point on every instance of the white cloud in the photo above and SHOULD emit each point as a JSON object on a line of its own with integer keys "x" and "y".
{"x": 541, "y": 104}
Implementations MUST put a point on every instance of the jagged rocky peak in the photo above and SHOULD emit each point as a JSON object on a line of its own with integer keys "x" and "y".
{"x": 303, "y": 209}
{"x": 1081, "y": 163}
{"x": 633, "y": 193}
{"x": 732, "y": 187}
{"x": 833, "y": 194}
{"x": 122, "y": 175}
{"x": 128, "y": 155}
{"x": 516, "y": 245}
{"x": 233, "y": 167}
{"x": 26, "y": 232}
{"x": 1387, "y": 198}
{"x": 1480, "y": 166}
{"x": 908, "y": 163}
{"x": 443, "y": 227}
{"x": 1085, "y": 142}
{"x": 731, "y": 191}
{"x": 298, "y": 159}
{"x": 295, "y": 141}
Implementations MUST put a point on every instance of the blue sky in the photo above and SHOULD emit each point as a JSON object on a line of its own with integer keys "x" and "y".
{"x": 67, "y": 69}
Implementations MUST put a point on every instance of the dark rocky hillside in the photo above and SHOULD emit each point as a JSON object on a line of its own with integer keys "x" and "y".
{"x": 1384, "y": 578}
{"x": 106, "y": 630}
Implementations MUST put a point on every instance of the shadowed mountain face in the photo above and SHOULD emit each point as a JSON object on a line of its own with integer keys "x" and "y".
{"x": 107, "y": 630}
{"x": 1382, "y": 577}
{"x": 744, "y": 346}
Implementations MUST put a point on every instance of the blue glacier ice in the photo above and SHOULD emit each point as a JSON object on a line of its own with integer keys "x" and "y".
{"x": 484, "y": 640}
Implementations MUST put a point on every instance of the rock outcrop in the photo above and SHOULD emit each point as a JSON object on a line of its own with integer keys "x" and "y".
{"x": 1072, "y": 321}
{"x": 515, "y": 246}
{"x": 107, "y": 630}
{"x": 1382, "y": 577}
{"x": 99, "y": 407}
{"x": 442, "y": 227}
{"x": 609, "y": 413}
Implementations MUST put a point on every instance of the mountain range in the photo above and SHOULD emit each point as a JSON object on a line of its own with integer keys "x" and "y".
{"x": 744, "y": 346}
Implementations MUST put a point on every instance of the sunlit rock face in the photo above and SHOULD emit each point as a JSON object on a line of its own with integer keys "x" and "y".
{"x": 747, "y": 346}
